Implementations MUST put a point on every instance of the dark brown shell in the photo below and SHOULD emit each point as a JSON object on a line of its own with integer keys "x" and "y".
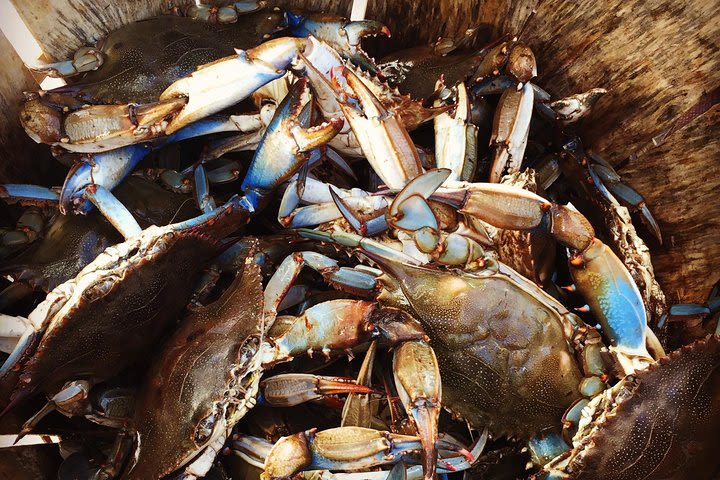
{"x": 668, "y": 428}
{"x": 143, "y": 58}
{"x": 114, "y": 311}
{"x": 193, "y": 372}
{"x": 503, "y": 356}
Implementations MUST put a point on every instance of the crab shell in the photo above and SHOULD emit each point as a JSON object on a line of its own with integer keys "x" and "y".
{"x": 73, "y": 241}
{"x": 125, "y": 297}
{"x": 204, "y": 380}
{"x": 665, "y": 427}
{"x": 501, "y": 344}
{"x": 143, "y": 58}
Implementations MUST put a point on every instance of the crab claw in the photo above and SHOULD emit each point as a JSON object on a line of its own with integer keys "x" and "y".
{"x": 511, "y": 127}
{"x": 417, "y": 379}
{"x": 597, "y": 272}
{"x": 456, "y": 138}
{"x": 292, "y": 389}
{"x": 343, "y": 448}
{"x": 218, "y": 85}
{"x": 85, "y": 59}
{"x": 338, "y": 32}
{"x": 381, "y": 134}
{"x": 573, "y": 108}
{"x": 289, "y": 134}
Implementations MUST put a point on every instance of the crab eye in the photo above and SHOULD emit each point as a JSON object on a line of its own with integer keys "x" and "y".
{"x": 204, "y": 429}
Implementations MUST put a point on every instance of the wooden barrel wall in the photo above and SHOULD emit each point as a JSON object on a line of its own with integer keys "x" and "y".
{"x": 658, "y": 59}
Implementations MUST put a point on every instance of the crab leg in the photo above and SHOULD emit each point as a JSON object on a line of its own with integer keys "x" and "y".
{"x": 292, "y": 389}
{"x": 456, "y": 138}
{"x": 343, "y": 35}
{"x": 510, "y": 131}
{"x": 381, "y": 134}
{"x": 288, "y": 136}
{"x": 84, "y": 60}
{"x": 289, "y": 269}
{"x": 108, "y": 169}
{"x": 219, "y": 14}
{"x": 597, "y": 272}
{"x": 255, "y": 451}
{"x": 324, "y": 206}
{"x": 113, "y": 210}
{"x": 28, "y": 194}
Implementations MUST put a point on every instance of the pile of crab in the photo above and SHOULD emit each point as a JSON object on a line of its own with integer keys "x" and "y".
{"x": 214, "y": 153}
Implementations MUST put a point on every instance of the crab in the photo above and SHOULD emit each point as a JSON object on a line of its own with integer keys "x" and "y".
{"x": 658, "y": 423}
{"x": 145, "y": 254}
{"x": 186, "y": 410}
{"x": 103, "y": 110}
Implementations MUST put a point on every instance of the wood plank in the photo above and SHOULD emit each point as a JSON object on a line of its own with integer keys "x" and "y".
{"x": 21, "y": 159}
{"x": 680, "y": 180}
{"x": 61, "y": 26}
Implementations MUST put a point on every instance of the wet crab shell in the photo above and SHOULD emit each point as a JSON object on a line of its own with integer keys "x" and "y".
{"x": 666, "y": 427}
{"x": 73, "y": 241}
{"x": 204, "y": 380}
{"x": 125, "y": 297}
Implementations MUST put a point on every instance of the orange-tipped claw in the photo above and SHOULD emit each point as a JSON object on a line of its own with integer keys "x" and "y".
{"x": 295, "y": 388}
{"x": 417, "y": 379}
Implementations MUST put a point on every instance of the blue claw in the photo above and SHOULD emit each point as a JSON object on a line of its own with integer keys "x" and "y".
{"x": 281, "y": 152}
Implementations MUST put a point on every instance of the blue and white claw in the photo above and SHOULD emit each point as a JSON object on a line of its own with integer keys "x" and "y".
{"x": 221, "y": 84}
{"x": 600, "y": 276}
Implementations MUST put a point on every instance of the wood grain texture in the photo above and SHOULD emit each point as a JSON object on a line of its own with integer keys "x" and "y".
{"x": 21, "y": 159}
{"x": 680, "y": 180}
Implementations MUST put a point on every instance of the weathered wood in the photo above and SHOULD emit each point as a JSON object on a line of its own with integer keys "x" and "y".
{"x": 680, "y": 180}
{"x": 21, "y": 159}
{"x": 61, "y": 26}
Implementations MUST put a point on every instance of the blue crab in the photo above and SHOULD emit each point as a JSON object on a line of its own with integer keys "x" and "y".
{"x": 659, "y": 423}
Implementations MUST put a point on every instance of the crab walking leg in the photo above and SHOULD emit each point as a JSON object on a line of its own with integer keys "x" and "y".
{"x": 85, "y": 59}
{"x": 343, "y": 448}
{"x": 597, "y": 272}
{"x": 417, "y": 379}
{"x": 113, "y": 210}
{"x": 290, "y": 389}
{"x": 324, "y": 206}
{"x": 218, "y": 85}
{"x": 109, "y": 168}
{"x": 28, "y": 194}
{"x": 284, "y": 277}
{"x": 381, "y": 134}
